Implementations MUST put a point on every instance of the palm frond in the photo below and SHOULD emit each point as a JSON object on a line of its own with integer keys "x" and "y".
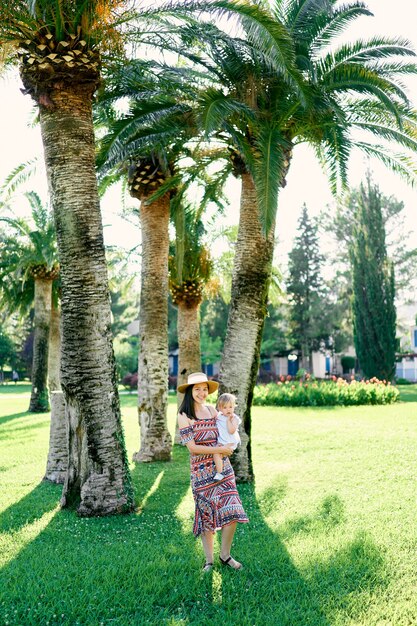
{"x": 356, "y": 79}
{"x": 336, "y": 148}
{"x": 400, "y": 164}
{"x": 268, "y": 171}
{"x": 329, "y": 26}
{"x": 18, "y": 176}
{"x": 360, "y": 51}
{"x": 217, "y": 107}
{"x": 390, "y": 134}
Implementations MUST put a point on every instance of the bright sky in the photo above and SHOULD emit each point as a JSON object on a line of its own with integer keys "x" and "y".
{"x": 306, "y": 181}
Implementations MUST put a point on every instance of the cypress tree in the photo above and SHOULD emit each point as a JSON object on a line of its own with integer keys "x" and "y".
{"x": 306, "y": 288}
{"x": 373, "y": 307}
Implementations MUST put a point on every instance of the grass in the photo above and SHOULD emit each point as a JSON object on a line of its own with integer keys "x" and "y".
{"x": 332, "y": 539}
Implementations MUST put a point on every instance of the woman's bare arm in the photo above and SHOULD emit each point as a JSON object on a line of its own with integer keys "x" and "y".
{"x": 194, "y": 448}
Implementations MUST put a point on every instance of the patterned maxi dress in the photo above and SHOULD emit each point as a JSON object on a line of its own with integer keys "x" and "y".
{"x": 217, "y": 503}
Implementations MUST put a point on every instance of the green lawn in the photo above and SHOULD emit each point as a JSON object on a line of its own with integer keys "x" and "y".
{"x": 332, "y": 539}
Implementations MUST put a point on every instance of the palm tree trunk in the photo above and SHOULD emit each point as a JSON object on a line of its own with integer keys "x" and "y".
{"x": 98, "y": 479}
{"x": 188, "y": 326}
{"x": 250, "y": 283}
{"x": 54, "y": 355}
{"x": 57, "y": 463}
{"x": 43, "y": 297}
{"x": 156, "y": 441}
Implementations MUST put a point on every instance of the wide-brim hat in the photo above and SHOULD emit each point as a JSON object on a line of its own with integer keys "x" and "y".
{"x": 198, "y": 377}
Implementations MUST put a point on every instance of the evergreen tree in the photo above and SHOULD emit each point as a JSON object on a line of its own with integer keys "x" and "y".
{"x": 305, "y": 288}
{"x": 374, "y": 315}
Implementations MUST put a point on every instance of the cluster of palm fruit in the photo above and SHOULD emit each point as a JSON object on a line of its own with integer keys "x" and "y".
{"x": 45, "y": 57}
{"x": 144, "y": 178}
{"x": 42, "y": 271}
{"x": 238, "y": 164}
{"x": 189, "y": 292}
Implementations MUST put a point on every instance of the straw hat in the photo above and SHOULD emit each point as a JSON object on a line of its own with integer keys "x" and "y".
{"x": 198, "y": 377}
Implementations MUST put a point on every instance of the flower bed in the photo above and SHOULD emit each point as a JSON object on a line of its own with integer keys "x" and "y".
{"x": 335, "y": 392}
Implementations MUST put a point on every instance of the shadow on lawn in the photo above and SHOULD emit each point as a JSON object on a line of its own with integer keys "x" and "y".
{"x": 9, "y": 418}
{"x": 146, "y": 567}
{"x": 330, "y": 513}
{"x": 43, "y": 498}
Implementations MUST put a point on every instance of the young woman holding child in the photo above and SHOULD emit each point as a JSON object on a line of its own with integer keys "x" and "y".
{"x": 217, "y": 502}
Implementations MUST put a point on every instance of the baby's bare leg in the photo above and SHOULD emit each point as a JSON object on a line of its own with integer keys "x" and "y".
{"x": 218, "y": 462}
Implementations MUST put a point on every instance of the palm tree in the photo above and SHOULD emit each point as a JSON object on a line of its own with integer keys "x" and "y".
{"x": 147, "y": 143}
{"x": 59, "y": 46}
{"x": 29, "y": 253}
{"x": 190, "y": 269}
{"x": 335, "y": 91}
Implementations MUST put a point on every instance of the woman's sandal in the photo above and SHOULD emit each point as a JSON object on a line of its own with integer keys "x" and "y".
{"x": 207, "y": 567}
{"x": 227, "y": 562}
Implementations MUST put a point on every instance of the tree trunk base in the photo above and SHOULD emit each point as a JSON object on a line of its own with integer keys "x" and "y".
{"x": 99, "y": 497}
{"x": 242, "y": 466}
{"x": 94, "y": 489}
{"x": 36, "y": 406}
{"x": 57, "y": 464}
{"x": 154, "y": 449}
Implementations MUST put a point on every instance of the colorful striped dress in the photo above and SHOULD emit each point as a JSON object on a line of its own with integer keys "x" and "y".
{"x": 217, "y": 503}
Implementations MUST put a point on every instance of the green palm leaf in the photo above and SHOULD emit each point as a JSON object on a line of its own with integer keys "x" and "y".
{"x": 268, "y": 172}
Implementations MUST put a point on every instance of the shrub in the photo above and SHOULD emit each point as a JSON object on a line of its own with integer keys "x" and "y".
{"x": 130, "y": 381}
{"x": 348, "y": 363}
{"x": 336, "y": 392}
{"x": 172, "y": 382}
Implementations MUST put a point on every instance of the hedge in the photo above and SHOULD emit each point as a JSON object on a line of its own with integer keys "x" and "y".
{"x": 336, "y": 392}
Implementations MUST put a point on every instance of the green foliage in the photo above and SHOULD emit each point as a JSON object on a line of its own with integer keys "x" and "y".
{"x": 374, "y": 314}
{"x": 341, "y": 224}
{"x": 211, "y": 348}
{"x": 306, "y": 289}
{"x": 90, "y": 20}
{"x": 274, "y": 332}
{"x": 213, "y": 316}
{"x": 348, "y": 363}
{"x": 7, "y": 349}
{"x": 25, "y": 247}
{"x": 325, "y": 393}
{"x": 263, "y": 101}
{"x": 190, "y": 263}
{"x": 126, "y": 350}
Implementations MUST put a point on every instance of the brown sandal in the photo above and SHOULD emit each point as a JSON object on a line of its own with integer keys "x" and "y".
{"x": 227, "y": 562}
{"x": 207, "y": 567}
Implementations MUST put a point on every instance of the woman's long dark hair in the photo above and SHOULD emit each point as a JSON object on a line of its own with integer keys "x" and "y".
{"x": 187, "y": 405}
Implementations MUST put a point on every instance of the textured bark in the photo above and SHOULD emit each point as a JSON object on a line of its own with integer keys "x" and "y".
{"x": 43, "y": 298}
{"x": 98, "y": 479}
{"x": 155, "y": 444}
{"x": 54, "y": 355}
{"x": 57, "y": 464}
{"x": 250, "y": 283}
{"x": 188, "y": 327}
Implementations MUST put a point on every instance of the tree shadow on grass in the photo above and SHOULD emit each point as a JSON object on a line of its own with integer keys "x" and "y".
{"x": 145, "y": 568}
{"x": 43, "y": 498}
{"x": 23, "y": 432}
{"x": 124, "y": 570}
{"x": 14, "y": 416}
{"x": 271, "y": 589}
{"x": 329, "y": 514}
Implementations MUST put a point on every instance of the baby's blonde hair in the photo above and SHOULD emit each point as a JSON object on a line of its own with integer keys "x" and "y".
{"x": 224, "y": 399}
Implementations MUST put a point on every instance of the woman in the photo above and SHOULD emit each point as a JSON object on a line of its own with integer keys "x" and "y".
{"x": 217, "y": 503}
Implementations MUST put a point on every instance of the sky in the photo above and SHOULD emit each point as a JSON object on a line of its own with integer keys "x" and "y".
{"x": 306, "y": 182}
